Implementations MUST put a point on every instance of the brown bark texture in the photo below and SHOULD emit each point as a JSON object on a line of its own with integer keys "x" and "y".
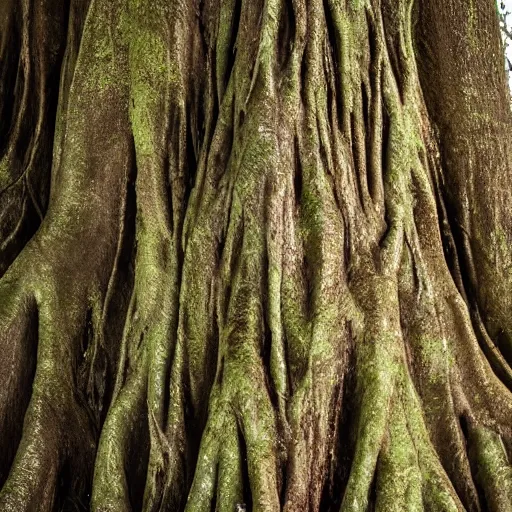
{"x": 255, "y": 255}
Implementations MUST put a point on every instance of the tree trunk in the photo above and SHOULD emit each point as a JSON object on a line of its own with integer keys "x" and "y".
{"x": 255, "y": 255}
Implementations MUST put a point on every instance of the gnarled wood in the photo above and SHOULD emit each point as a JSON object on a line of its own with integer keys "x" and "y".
{"x": 272, "y": 270}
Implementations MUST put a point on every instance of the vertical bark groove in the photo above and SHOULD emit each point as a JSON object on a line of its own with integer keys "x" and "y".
{"x": 267, "y": 265}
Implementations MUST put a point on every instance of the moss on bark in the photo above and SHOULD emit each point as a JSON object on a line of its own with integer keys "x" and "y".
{"x": 266, "y": 265}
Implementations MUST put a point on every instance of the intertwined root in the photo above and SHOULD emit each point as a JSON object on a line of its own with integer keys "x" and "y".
{"x": 243, "y": 440}
{"x": 287, "y": 262}
{"x": 57, "y": 434}
{"x": 19, "y": 337}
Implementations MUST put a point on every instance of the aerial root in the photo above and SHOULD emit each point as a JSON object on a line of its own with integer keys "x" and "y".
{"x": 56, "y": 428}
{"x": 203, "y": 491}
{"x": 475, "y": 368}
{"x": 393, "y": 446}
{"x": 300, "y": 462}
{"x": 240, "y": 427}
{"x": 121, "y": 429}
{"x": 491, "y": 467}
{"x": 44, "y": 449}
{"x": 230, "y": 492}
{"x": 377, "y": 357}
{"x": 18, "y": 336}
{"x": 373, "y": 419}
{"x": 399, "y": 483}
{"x": 409, "y": 475}
{"x": 33, "y": 476}
{"x": 438, "y": 491}
{"x": 219, "y": 473}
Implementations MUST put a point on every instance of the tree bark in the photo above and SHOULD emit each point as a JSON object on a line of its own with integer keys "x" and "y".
{"x": 255, "y": 255}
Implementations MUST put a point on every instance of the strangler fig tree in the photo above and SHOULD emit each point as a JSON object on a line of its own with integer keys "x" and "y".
{"x": 255, "y": 255}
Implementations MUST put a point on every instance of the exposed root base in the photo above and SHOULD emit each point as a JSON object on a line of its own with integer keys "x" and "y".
{"x": 247, "y": 291}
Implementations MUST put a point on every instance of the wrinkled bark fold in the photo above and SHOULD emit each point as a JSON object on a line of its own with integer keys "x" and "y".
{"x": 254, "y": 254}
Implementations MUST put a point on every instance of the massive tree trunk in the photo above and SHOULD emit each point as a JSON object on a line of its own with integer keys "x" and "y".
{"x": 255, "y": 255}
